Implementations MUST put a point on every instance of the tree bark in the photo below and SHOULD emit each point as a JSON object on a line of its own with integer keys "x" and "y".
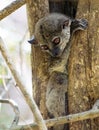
{"x": 37, "y": 9}
{"x": 84, "y": 66}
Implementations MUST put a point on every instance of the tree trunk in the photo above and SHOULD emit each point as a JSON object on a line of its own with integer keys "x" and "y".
{"x": 83, "y": 63}
{"x": 37, "y": 9}
{"x": 84, "y": 66}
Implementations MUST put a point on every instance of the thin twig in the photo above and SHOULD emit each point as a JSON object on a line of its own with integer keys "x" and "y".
{"x": 20, "y": 82}
{"x": 15, "y": 108}
{"x": 11, "y": 8}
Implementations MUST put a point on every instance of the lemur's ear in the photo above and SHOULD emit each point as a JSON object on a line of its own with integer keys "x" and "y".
{"x": 33, "y": 41}
{"x": 66, "y": 23}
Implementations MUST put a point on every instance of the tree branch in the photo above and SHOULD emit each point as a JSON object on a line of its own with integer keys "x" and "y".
{"x": 93, "y": 113}
{"x": 11, "y": 8}
{"x": 37, "y": 115}
{"x": 15, "y": 108}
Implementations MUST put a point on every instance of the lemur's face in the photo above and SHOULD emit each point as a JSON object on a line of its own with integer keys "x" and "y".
{"x": 55, "y": 37}
{"x": 52, "y": 33}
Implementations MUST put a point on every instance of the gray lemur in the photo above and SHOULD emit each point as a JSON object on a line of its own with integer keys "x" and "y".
{"x": 53, "y": 34}
{"x": 55, "y": 96}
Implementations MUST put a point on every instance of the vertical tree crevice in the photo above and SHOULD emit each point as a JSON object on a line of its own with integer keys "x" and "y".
{"x": 67, "y": 7}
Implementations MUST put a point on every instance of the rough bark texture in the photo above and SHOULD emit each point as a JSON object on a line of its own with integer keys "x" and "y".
{"x": 36, "y": 10}
{"x": 84, "y": 66}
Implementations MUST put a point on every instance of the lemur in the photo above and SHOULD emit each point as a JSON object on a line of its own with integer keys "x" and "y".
{"x": 53, "y": 34}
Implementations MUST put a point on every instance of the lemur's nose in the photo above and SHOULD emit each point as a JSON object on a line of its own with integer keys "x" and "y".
{"x": 56, "y": 52}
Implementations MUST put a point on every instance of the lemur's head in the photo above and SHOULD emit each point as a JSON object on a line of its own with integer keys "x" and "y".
{"x": 52, "y": 33}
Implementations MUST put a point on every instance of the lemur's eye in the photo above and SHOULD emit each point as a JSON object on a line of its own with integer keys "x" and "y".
{"x": 56, "y": 41}
{"x": 66, "y": 23}
{"x": 44, "y": 47}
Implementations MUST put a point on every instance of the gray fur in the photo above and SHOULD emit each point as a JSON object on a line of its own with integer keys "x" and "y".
{"x": 46, "y": 29}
